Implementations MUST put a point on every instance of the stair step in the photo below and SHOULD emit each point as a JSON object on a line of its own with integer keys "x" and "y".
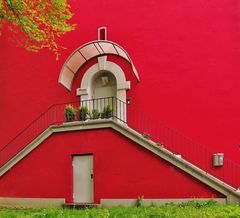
{"x": 80, "y": 205}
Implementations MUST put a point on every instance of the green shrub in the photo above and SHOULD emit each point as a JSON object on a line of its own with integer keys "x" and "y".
{"x": 107, "y": 112}
{"x": 83, "y": 113}
{"x": 95, "y": 114}
{"x": 208, "y": 209}
{"x": 139, "y": 201}
{"x": 198, "y": 204}
{"x": 70, "y": 113}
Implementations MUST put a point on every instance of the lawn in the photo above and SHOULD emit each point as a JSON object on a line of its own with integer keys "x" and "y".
{"x": 188, "y": 210}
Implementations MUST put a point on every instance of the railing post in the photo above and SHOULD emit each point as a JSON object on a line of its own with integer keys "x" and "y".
{"x": 116, "y": 102}
{"x": 113, "y": 115}
{"x": 124, "y": 113}
{"x": 1, "y": 161}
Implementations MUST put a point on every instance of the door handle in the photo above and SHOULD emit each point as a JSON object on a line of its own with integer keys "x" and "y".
{"x": 91, "y": 176}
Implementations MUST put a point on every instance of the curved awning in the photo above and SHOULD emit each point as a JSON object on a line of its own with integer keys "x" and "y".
{"x": 86, "y": 52}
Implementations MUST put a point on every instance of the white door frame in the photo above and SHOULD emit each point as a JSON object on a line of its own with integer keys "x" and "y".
{"x": 85, "y": 90}
{"x": 83, "y": 182}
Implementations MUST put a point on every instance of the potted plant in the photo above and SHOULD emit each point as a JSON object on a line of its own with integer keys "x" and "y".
{"x": 95, "y": 113}
{"x": 83, "y": 113}
{"x": 107, "y": 112}
{"x": 69, "y": 113}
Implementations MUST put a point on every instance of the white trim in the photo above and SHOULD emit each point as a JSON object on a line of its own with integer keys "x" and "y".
{"x": 32, "y": 202}
{"x": 99, "y": 30}
{"x": 83, "y": 182}
{"x": 233, "y": 195}
{"x": 124, "y": 86}
{"x": 85, "y": 53}
{"x": 116, "y": 70}
{"x": 81, "y": 92}
{"x": 85, "y": 90}
{"x": 154, "y": 202}
{"x": 102, "y": 62}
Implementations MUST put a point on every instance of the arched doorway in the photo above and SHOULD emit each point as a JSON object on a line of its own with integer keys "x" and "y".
{"x": 104, "y": 91}
{"x": 104, "y": 85}
{"x": 103, "y": 79}
{"x": 109, "y": 84}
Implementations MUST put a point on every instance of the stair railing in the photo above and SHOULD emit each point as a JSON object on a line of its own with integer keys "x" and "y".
{"x": 172, "y": 140}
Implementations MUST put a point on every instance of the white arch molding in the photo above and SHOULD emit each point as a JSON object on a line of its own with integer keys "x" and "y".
{"x": 87, "y": 52}
{"x": 109, "y": 77}
{"x": 122, "y": 85}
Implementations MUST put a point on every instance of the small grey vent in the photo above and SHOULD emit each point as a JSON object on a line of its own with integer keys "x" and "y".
{"x": 218, "y": 159}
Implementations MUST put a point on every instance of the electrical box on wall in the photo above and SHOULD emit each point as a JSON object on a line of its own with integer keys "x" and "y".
{"x": 218, "y": 159}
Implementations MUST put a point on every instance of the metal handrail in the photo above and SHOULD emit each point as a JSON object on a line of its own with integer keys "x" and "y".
{"x": 53, "y": 115}
{"x": 164, "y": 136}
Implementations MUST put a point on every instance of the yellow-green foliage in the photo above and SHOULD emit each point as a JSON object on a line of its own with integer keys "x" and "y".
{"x": 37, "y": 24}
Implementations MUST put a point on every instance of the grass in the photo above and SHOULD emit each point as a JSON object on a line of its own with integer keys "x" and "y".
{"x": 189, "y": 210}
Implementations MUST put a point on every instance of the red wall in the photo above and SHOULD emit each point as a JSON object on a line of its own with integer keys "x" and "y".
{"x": 122, "y": 169}
{"x": 186, "y": 52}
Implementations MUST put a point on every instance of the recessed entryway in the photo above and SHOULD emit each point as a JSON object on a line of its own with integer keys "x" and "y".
{"x": 104, "y": 85}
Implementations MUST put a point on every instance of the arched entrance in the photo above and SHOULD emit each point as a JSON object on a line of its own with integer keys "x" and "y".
{"x": 104, "y": 91}
{"x": 104, "y": 85}
{"x": 105, "y": 80}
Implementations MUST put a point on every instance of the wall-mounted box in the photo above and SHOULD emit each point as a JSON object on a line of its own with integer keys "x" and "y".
{"x": 218, "y": 159}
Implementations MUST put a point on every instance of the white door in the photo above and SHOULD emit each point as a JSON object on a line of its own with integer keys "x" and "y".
{"x": 83, "y": 179}
{"x": 104, "y": 96}
{"x": 104, "y": 92}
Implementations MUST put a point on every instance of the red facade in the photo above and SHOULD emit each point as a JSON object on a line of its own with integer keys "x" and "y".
{"x": 121, "y": 170}
{"x": 187, "y": 56}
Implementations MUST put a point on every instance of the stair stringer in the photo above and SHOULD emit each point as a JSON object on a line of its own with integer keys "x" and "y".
{"x": 232, "y": 195}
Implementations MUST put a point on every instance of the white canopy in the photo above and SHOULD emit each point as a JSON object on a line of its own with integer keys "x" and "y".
{"x": 85, "y": 53}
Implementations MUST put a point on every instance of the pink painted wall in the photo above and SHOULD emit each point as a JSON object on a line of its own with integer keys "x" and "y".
{"x": 187, "y": 55}
{"x": 122, "y": 169}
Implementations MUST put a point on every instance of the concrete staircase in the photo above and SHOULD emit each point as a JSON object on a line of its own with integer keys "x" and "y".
{"x": 80, "y": 206}
{"x": 232, "y": 194}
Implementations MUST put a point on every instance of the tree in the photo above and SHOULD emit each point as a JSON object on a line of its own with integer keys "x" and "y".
{"x": 37, "y": 24}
